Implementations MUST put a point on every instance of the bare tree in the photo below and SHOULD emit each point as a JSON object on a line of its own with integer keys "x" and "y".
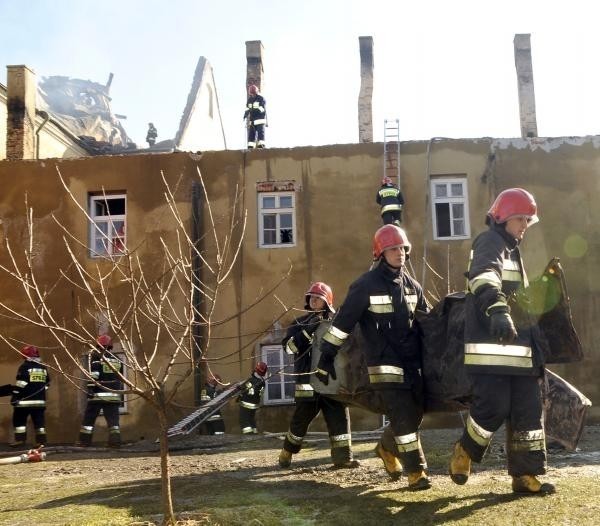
{"x": 162, "y": 313}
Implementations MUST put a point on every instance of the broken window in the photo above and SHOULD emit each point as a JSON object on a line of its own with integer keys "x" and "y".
{"x": 277, "y": 219}
{"x": 107, "y": 227}
{"x": 450, "y": 208}
{"x": 280, "y": 387}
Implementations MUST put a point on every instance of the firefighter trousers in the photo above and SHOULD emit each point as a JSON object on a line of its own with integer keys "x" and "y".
{"x": 256, "y": 136}
{"x": 404, "y": 409}
{"x": 215, "y": 424}
{"x": 111, "y": 415}
{"x": 516, "y": 400}
{"x": 392, "y": 217}
{"x": 37, "y": 414}
{"x": 248, "y": 420}
{"x": 336, "y": 417}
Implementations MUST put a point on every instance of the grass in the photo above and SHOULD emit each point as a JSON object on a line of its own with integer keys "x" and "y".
{"x": 243, "y": 487}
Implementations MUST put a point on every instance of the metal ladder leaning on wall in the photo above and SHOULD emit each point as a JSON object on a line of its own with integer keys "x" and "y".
{"x": 391, "y": 149}
{"x": 192, "y": 421}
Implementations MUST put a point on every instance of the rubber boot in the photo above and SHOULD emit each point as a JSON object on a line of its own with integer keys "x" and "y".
{"x": 19, "y": 441}
{"x": 285, "y": 459}
{"x": 390, "y": 462}
{"x": 530, "y": 485}
{"x": 460, "y": 465}
{"x": 418, "y": 481}
{"x": 114, "y": 440}
{"x": 40, "y": 439}
{"x": 85, "y": 440}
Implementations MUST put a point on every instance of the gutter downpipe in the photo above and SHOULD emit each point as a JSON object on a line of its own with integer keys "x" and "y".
{"x": 46, "y": 118}
{"x": 197, "y": 302}
{"x": 428, "y": 212}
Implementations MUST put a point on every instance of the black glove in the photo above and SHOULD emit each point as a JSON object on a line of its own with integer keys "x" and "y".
{"x": 326, "y": 368}
{"x": 502, "y": 327}
{"x": 312, "y": 324}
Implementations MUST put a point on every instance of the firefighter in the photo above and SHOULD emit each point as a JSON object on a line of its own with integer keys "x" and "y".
{"x": 383, "y": 301}
{"x": 151, "y": 135}
{"x": 29, "y": 397}
{"x": 501, "y": 355}
{"x": 256, "y": 118}
{"x": 106, "y": 371}
{"x": 214, "y": 424}
{"x": 390, "y": 198}
{"x": 298, "y": 342}
{"x": 249, "y": 398}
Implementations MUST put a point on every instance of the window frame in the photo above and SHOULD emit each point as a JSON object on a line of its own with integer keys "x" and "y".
{"x": 464, "y": 200}
{"x": 276, "y": 375}
{"x": 277, "y": 211}
{"x": 94, "y": 234}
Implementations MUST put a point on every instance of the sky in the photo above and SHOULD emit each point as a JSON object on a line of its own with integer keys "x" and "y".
{"x": 443, "y": 68}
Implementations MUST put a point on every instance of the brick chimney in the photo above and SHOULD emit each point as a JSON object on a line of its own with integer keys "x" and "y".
{"x": 20, "y": 107}
{"x": 522, "y": 44}
{"x": 254, "y": 64}
{"x": 365, "y": 96}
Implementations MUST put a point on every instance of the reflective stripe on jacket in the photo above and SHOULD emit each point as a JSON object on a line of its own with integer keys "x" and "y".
{"x": 390, "y": 198}
{"x": 383, "y": 302}
{"x": 256, "y": 111}
{"x": 31, "y": 384}
{"x": 497, "y": 280}
{"x": 252, "y": 392}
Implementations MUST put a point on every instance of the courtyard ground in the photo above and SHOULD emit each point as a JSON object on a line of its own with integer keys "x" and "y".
{"x": 234, "y": 480}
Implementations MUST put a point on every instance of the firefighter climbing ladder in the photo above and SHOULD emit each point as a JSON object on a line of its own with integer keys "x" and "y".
{"x": 391, "y": 149}
{"x": 191, "y": 422}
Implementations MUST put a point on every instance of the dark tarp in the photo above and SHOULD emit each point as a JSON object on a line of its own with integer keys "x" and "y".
{"x": 447, "y": 386}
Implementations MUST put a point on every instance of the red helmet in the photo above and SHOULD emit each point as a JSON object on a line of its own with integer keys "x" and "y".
{"x": 261, "y": 368}
{"x": 511, "y": 203}
{"x": 323, "y": 291}
{"x": 252, "y": 89}
{"x": 30, "y": 351}
{"x": 213, "y": 379}
{"x": 389, "y": 236}
{"x": 105, "y": 341}
{"x": 387, "y": 180}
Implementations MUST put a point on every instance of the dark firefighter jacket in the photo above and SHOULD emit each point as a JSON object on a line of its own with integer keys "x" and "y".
{"x": 252, "y": 391}
{"x": 30, "y": 388}
{"x": 298, "y": 342}
{"x": 384, "y": 303}
{"x": 206, "y": 395}
{"x": 497, "y": 279}
{"x": 256, "y": 110}
{"x": 389, "y": 197}
{"x": 106, "y": 376}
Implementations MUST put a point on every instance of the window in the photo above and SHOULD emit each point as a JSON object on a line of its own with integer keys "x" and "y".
{"x": 449, "y": 203}
{"x": 280, "y": 387}
{"x": 277, "y": 220}
{"x": 107, "y": 229}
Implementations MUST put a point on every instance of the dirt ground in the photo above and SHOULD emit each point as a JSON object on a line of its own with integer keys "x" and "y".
{"x": 236, "y": 480}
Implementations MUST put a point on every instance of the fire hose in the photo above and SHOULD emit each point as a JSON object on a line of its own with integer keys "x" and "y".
{"x": 33, "y": 455}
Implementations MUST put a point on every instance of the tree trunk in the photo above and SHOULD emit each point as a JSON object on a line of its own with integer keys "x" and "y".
{"x": 165, "y": 471}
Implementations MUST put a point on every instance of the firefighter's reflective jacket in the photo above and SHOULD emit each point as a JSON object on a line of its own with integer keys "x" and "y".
{"x": 298, "y": 342}
{"x": 32, "y": 382}
{"x": 105, "y": 369}
{"x": 256, "y": 110}
{"x": 252, "y": 391}
{"x": 497, "y": 279}
{"x": 384, "y": 302}
{"x": 390, "y": 198}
